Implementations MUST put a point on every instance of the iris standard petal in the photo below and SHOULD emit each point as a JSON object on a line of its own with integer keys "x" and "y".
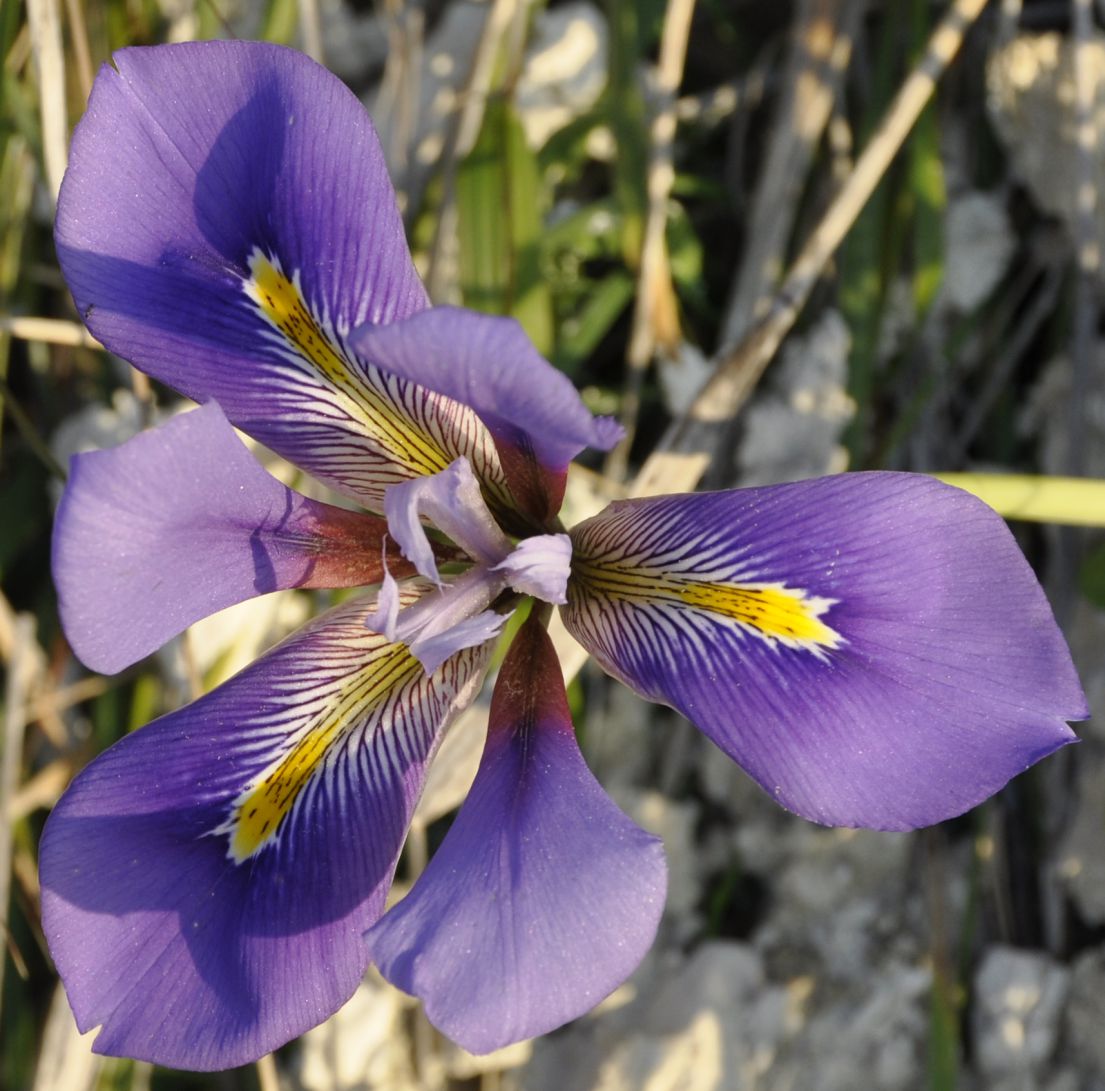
{"x": 488, "y": 363}
{"x": 225, "y": 221}
{"x": 872, "y": 648}
{"x": 543, "y": 897}
{"x": 182, "y": 521}
{"x": 207, "y": 881}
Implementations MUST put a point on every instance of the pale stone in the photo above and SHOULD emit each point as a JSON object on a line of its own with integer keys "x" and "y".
{"x": 1081, "y": 857}
{"x": 979, "y": 245}
{"x": 361, "y": 1047}
{"x": 1085, "y": 1014}
{"x": 1019, "y": 998}
{"x": 565, "y": 69}
{"x": 1031, "y": 97}
{"x": 792, "y": 428}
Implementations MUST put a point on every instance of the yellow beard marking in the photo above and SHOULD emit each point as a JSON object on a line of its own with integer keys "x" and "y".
{"x": 772, "y": 611}
{"x": 778, "y": 612}
{"x": 281, "y": 302}
{"x": 262, "y": 807}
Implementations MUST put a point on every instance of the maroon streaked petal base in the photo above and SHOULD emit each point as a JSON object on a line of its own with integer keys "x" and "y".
{"x": 544, "y": 897}
{"x": 182, "y": 521}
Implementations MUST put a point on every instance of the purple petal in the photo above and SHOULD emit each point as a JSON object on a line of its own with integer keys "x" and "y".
{"x": 872, "y": 648}
{"x": 543, "y": 897}
{"x": 226, "y": 220}
{"x": 207, "y": 881}
{"x": 182, "y": 521}
{"x": 489, "y": 364}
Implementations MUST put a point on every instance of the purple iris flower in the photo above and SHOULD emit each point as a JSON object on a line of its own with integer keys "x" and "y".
{"x": 871, "y": 648}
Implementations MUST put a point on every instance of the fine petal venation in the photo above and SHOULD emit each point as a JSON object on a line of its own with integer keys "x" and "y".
{"x": 543, "y": 897}
{"x": 225, "y": 222}
{"x": 872, "y": 648}
{"x": 207, "y": 881}
{"x": 488, "y": 363}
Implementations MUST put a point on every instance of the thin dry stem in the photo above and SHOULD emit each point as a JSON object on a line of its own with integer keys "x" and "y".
{"x": 66, "y": 1061}
{"x": 267, "y": 1077}
{"x": 78, "y": 34}
{"x": 821, "y": 50}
{"x": 50, "y": 331}
{"x": 23, "y": 663}
{"x": 65, "y": 697}
{"x": 46, "y": 48}
{"x": 43, "y": 790}
{"x": 655, "y": 317}
{"x": 1086, "y": 231}
{"x": 397, "y": 99}
{"x": 682, "y": 458}
{"x": 310, "y": 27}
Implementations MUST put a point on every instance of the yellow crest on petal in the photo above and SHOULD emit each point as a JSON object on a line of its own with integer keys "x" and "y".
{"x": 370, "y": 406}
{"x": 774, "y": 612}
{"x": 263, "y": 805}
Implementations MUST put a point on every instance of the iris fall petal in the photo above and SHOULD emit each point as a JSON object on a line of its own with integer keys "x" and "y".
{"x": 543, "y": 897}
{"x": 182, "y": 521}
{"x": 207, "y": 881}
{"x": 225, "y": 221}
{"x": 872, "y": 648}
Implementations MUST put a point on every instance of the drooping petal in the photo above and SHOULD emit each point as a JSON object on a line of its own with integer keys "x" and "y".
{"x": 182, "y": 521}
{"x": 534, "y": 412}
{"x": 872, "y": 648}
{"x": 207, "y": 881}
{"x": 226, "y": 220}
{"x": 543, "y": 897}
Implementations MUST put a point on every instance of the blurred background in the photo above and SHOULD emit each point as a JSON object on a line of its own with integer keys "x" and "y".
{"x": 778, "y": 240}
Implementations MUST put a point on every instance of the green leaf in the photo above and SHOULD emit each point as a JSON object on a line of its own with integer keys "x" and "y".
{"x": 927, "y": 191}
{"x": 580, "y": 335}
{"x": 565, "y": 152}
{"x": 500, "y": 203}
{"x": 625, "y": 106}
{"x": 1091, "y": 578}
{"x": 867, "y": 256}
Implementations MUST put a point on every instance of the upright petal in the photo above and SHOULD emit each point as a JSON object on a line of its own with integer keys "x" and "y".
{"x": 452, "y": 502}
{"x": 226, "y": 220}
{"x": 207, "y": 881}
{"x": 534, "y": 412}
{"x": 872, "y": 648}
{"x": 543, "y": 897}
{"x": 182, "y": 521}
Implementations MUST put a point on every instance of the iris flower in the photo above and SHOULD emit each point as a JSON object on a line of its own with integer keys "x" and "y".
{"x": 871, "y": 648}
